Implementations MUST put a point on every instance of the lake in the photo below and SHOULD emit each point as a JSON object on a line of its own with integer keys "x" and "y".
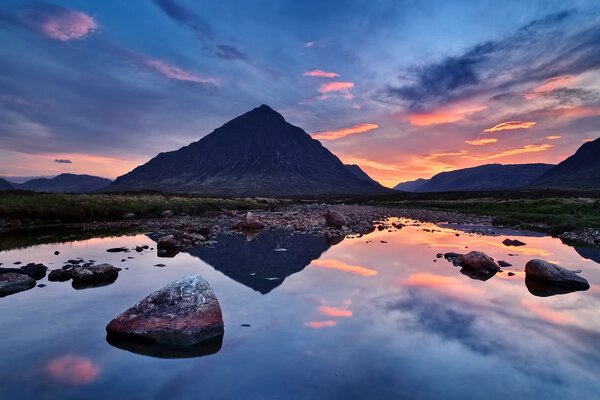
{"x": 371, "y": 317}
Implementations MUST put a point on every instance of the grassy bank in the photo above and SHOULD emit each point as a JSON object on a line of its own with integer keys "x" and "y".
{"x": 556, "y": 212}
{"x": 88, "y": 207}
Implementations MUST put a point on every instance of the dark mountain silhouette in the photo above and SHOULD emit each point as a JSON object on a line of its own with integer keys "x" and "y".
{"x": 359, "y": 173}
{"x": 66, "y": 183}
{"x": 255, "y": 263}
{"x": 411, "y": 186}
{"x": 580, "y": 171}
{"x": 486, "y": 177}
{"x": 5, "y": 185}
{"x": 255, "y": 154}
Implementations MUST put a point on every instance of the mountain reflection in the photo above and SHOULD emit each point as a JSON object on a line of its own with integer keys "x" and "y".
{"x": 263, "y": 262}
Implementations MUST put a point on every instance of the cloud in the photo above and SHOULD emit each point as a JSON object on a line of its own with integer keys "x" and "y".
{"x": 549, "y": 85}
{"x": 186, "y": 18}
{"x": 444, "y": 115}
{"x": 341, "y": 133}
{"x": 342, "y": 266}
{"x": 63, "y": 161}
{"x": 481, "y": 142}
{"x": 529, "y": 148}
{"x": 509, "y": 126}
{"x": 59, "y": 23}
{"x": 171, "y": 71}
{"x": 309, "y": 45}
{"x": 72, "y": 370}
{"x": 343, "y": 88}
{"x": 553, "y": 137}
{"x": 336, "y": 312}
{"x": 321, "y": 324}
{"x": 317, "y": 73}
{"x": 230, "y": 53}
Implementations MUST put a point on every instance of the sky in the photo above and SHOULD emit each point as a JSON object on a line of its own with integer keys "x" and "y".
{"x": 404, "y": 88}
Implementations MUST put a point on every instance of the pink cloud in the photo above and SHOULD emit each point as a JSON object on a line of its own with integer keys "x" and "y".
{"x": 510, "y": 125}
{"x": 343, "y": 88}
{"x": 320, "y": 324}
{"x": 341, "y": 133}
{"x": 446, "y": 115}
{"x": 65, "y": 25}
{"x": 72, "y": 370}
{"x": 174, "y": 72}
{"x": 481, "y": 142}
{"x": 317, "y": 73}
{"x": 549, "y": 85}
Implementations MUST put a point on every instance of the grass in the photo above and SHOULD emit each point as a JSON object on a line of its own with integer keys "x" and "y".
{"x": 90, "y": 207}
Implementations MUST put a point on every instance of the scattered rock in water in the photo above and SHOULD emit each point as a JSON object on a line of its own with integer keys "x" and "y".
{"x": 35, "y": 271}
{"x": 511, "y": 274}
{"x": 245, "y": 325}
{"x": 439, "y": 255}
{"x": 59, "y": 275}
{"x": 95, "y": 275}
{"x": 547, "y": 279}
{"x": 166, "y": 214}
{"x": 183, "y": 313}
{"x": 504, "y": 264}
{"x": 335, "y": 219}
{"x": 118, "y": 250}
{"x": 17, "y": 263}
{"x": 13, "y": 282}
{"x": 511, "y": 242}
{"x": 56, "y": 252}
{"x": 475, "y": 264}
{"x": 249, "y": 222}
{"x": 41, "y": 285}
{"x": 75, "y": 262}
{"x": 160, "y": 265}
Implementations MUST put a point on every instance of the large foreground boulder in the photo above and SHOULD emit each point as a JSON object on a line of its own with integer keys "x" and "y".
{"x": 94, "y": 275}
{"x": 549, "y": 274}
{"x": 12, "y": 282}
{"x": 183, "y": 313}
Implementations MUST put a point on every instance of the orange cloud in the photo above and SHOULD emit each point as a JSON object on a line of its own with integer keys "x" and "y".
{"x": 337, "y": 312}
{"x": 549, "y": 85}
{"x": 342, "y": 266}
{"x": 443, "y": 116}
{"x": 481, "y": 142}
{"x": 444, "y": 284}
{"x": 317, "y": 73}
{"x": 529, "y": 148}
{"x": 320, "y": 324}
{"x": 553, "y": 137}
{"x": 568, "y": 112}
{"x": 510, "y": 125}
{"x": 73, "y": 370}
{"x": 336, "y": 87}
{"x": 340, "y": 133}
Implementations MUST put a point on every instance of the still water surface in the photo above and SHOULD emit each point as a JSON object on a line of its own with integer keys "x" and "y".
{"x": 360, "y": 319}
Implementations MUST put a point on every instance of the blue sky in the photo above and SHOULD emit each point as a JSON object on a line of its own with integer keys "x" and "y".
{"x": 403, "y": 88}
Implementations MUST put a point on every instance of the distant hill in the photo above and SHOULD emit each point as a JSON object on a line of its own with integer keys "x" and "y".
{"x": 67, "y": 183}
{"x": 486, "y": 177}
{"x": 359, "y": 173}
{"x": 411, "y": 186}
{"x": 255, "y": 154}
{"x": 580, "y": 171}
{"x": 5, "y": 185}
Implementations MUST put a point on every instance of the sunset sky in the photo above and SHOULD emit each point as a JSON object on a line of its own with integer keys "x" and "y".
{"x": 405, "y": 89}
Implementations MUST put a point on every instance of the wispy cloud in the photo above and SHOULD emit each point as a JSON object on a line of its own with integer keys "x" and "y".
{"x": 229, "y": 52}
{"x": 344, "y": 267}
{"x": 186, "y": 18}
{"x": 309, "y": 45}
{"x": 510, "y": 125}
{"x": 59, "y": 23}
{"x": 343, "y": 88}
{"x": 171, "y": 71}
{"x": 529, "y": 148}
{"x": 317, "y": 73}
{"x": 341, "y": 133}
{"x": 63, "y": 161}
{"x": 549, "y": 85}
{"x": 553, "y": 137}
{"x": 321, "y": 324}
{"x": 443, "y": 115}
{"x": 481, "y": 142}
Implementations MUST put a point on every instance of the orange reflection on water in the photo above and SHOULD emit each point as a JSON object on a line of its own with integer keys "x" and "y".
{"x": 444, "y": 284}
{"x": 545, "y": 313}
{"x": 320, "y": 324}
{"x": 73, "y": 370}
{"x": 342, "y": 266}
{"x": 337, "y": 312}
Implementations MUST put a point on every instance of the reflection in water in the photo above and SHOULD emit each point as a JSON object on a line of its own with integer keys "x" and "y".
{"x": 477, "y": 274}
{"x": 541, "y": 289}
{"x": 256, "y": 263}
{"x": 72, "y": 370}
{"x": 342, "y": 266}
{"x": 159, "y": 350}
{"x": 590, "y": 253}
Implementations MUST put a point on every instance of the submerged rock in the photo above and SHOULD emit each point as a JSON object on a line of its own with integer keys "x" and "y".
{"x": 35, "y": 271}
{"x": 548, "y": 274}
{"x": 59, "y": 275}
{"x": 513, "y": 242}
{"x": 183, "y": 313}
{"x": 13, "y": 282}
{"x": 335, "y": 219}
{"x": 118, "y": 250}
{"x": 94, "y": 275}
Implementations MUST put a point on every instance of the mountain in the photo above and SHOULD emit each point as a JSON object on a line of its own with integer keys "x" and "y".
{"x": 255, "y": 154}
{"x": 359, "y": 173}
{"x": 5, "y": 185}
{"x": 411, "y": 186}
{"x": 22, "y": 179}
{"x": 66, "y": 183}
{"x": 580, "y": 171}
{"x": 486, "y": 177}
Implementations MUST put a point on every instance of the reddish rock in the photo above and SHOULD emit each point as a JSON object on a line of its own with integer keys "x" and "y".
{"x": 249, "y": 222}
{"x": 554, "y": 275}
{"x": 12, "y": 282}
{"x": 335, "y": 219}
{"x": 94, "y": 274}
{"x": 184, "y": 312}
{"x": 478, "y": 261}
{"x": 513, "y": 242}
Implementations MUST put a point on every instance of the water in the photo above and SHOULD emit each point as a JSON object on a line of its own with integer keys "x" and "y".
{"x": 355, "y": 320}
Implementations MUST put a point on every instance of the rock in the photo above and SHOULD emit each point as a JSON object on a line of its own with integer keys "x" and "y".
{"x": 249, "y": 222}
{"x": 168, "y": 242}
{"x": 11, "y": 270}
{"x": 41, "y": 285}
{"x": 128, "y": 216}
{"x": 166, "y": 214}
{"x": 75, "y": 262}
{"x": 185, "y": 312}
{"x": 35, "y": 271}
{"x": 59, "y": 275}
{"x": 335, "y": 219}
{"x": 56, "y": 252}
{"x": 504, "y": 264}
{"x": 511, "y": 274}
{"x": 439, "y": 255}
{"x": 550, "y": 274}
{"x": 95, "y": 274}
{"x": 118, "y": 250}
{"x": 451, "y": 255}
{"x": 511, "y": 242}
{"x": 480, "y": 262}
{"x": 12, "y": 282}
